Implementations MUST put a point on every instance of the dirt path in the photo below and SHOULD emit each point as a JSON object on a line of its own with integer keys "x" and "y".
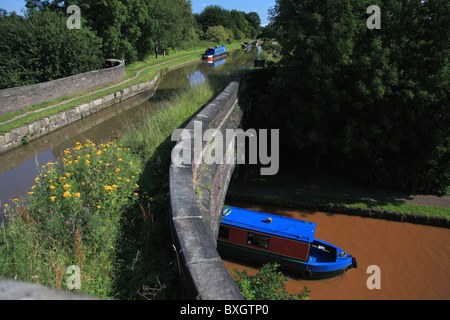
{"x": 379, "y": 196}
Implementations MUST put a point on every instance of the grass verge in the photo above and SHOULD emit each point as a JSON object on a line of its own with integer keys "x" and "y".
{"x": 320, "y": 189}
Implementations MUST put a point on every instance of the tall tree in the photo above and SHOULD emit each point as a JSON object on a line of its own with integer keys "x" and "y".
{"x": 39, "y": 47}
{"x": 374, "y": 101}
{"x": 215, "y": 16}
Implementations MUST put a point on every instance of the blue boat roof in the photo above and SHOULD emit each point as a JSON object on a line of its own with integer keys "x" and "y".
{"x": 278, "y": 225}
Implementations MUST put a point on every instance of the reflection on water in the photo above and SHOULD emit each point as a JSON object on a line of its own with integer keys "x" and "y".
{"x": 18, "y": 166}
{"x": 196, "y": 78}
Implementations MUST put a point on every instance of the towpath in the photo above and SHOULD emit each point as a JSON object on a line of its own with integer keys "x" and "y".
{"x": 96, "y": 91}
{"x": 378, "y": 196}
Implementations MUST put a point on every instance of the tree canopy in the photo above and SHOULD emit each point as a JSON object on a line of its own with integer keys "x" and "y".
{"x": 372, "y": 102}
{"x": 39, "y": 47}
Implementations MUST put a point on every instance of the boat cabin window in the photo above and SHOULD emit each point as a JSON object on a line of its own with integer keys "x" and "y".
{"x": 258, "y": 240}
{"x": 223, "y": 232}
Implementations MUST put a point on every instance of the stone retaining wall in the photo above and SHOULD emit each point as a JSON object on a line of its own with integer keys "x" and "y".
{"x": 39, "y": 128}
{"x": 197, "y": 194}
{"x": 13, "y": 99}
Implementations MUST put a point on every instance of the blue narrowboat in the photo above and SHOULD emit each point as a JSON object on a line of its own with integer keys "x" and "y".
{"x": 214, "y": 53}
{"x": 260, "y": 238}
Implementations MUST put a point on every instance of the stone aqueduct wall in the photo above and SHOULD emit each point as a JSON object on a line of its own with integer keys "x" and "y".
{"x": 44, "y": 126}
{"x": 197, "y": 194}
{"x": 17, "y": 98}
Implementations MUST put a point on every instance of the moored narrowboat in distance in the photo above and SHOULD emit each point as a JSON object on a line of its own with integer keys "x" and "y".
{"x": 260, "y": 238}
{"x": 212, "y": 54}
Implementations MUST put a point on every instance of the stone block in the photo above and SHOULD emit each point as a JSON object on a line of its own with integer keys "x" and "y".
{"x": 84, "y": 108}
{"x": 108, "y": 98}
{"x": 8, "y": 137}
{"x": 31, "y": 129}
{"x": 96, "y": 103}
{"x": 19, "y": 133}
{"x": 72, "y": 115}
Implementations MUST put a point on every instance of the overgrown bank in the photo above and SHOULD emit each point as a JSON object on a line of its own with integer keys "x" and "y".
{"x": 104, "y": 208}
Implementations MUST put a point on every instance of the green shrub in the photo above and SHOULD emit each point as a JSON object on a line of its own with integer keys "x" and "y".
{"x": 267, "y": 284}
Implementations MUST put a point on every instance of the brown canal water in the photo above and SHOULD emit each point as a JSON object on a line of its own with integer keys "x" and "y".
{"x": 413, "y": 260}
{"x": 18, "y": 166}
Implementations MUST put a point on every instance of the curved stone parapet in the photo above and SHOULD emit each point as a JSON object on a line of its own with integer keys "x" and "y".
{"x": 44, "y": 126}
{"x": 13, "y": 99}
{"x": 197, "y": 193}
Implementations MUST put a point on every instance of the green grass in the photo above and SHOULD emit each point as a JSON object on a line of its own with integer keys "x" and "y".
{"x": 397, "y": 206}
{"x": 105, "y": 208}
{"x": 316, "y": 187}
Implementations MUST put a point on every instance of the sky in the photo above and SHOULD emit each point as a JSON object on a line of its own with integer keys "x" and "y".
{"x": 259, "y": 6}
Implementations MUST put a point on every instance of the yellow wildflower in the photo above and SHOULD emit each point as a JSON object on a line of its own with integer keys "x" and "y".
{"x": 98, "y": 207}
{"x": 52, "y": 198}
{"x": 30, "y": 192}
{"x": 99, "y": 152}
{"x": 108, "y": 188}
{"x": 66, "y": 186}
{"x": 120, "y": 159}
{"x": 67, "y": 194}
{"x": 87, "y": 161}
{"x": 77, "y": 194}
{"x": 52, "y": 187}
{"x": 5, "y": 205}
{"x": 117, "y": 169}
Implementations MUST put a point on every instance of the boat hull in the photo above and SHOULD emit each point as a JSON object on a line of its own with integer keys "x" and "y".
{"x": 311, "y": 269}
{"x": 211, "y": 58}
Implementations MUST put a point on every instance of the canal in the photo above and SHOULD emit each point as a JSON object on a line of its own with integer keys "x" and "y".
{"x": 18, "y": 167}
{"x": 413, "y": 260}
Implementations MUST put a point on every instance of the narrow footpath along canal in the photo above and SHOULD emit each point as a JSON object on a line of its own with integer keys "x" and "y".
{"x": 413, "y": 260}
{"x": 18, "y": 167}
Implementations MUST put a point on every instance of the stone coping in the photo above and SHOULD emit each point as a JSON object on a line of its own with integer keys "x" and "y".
{"x": 194, "y": 230}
